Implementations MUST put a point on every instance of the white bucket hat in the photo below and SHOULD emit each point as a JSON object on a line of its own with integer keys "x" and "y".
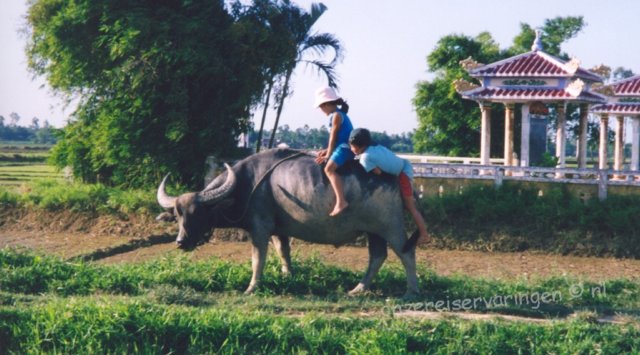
{"x": 325, "y": 94}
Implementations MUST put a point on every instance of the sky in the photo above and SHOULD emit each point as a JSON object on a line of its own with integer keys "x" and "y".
{"x": 386, "y": 45}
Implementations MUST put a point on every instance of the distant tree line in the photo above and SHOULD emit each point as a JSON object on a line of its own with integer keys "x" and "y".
{"x": 36, "y": 133}
{"x": 317, "y": 138}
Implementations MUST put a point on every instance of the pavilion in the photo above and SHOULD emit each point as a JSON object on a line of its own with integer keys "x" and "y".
{"x": 624, "y": 101}
{"x": 536, "y": 80}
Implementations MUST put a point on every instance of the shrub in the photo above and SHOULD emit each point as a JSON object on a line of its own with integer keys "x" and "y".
{"x": 515, "y": 219}
{"x": 54, "y": 195}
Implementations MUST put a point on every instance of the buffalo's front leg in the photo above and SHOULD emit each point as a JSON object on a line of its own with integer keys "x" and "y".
{"x": 377, "y": 256}
{"x": 258, "y": 259}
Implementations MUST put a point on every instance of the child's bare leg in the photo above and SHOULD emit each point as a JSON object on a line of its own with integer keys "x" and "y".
{"x": 336, "y": 183}
{"x": 410, "y": 205}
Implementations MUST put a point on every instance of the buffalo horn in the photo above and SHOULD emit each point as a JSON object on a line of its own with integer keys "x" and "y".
{"x": 218, "y": 193}
{"x": 165, "y": 200}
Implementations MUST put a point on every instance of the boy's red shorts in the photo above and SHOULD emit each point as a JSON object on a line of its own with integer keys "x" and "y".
{"x": 405, "y": 185}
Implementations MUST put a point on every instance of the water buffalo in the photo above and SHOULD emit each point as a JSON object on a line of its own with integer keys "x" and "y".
{"x": 282, "y": 193}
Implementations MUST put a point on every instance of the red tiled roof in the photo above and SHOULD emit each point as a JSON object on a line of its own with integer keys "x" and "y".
{"x": 628, "y": 87}
{"x": 618, "y": 108}
{"x": 541, "y": 94}
{"x": 531, "y": 64}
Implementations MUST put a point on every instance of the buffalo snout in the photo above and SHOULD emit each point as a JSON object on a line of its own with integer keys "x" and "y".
{"x": 185, "y": 244}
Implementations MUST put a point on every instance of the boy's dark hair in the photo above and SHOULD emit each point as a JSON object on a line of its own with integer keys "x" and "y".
{"x": 360, "y": 137}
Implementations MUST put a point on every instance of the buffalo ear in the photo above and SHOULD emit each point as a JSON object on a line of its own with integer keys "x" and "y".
{"x": 166, "y": 217}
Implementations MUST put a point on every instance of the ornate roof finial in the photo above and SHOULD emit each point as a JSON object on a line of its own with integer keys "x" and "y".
{"x": 575, "y": 87}
{"x": 537, "y": 43}
{"x": 470, "y": 64}
{"x": 572, "y": 66}
{"x": 462, "y": 86}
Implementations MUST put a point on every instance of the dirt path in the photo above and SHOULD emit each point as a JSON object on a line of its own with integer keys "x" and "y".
{"x": 490, "y": 265}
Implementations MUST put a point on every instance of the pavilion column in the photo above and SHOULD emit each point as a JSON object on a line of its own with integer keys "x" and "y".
{"x": 561, "y": 135}
{"x": 582, "y": 137}
{"x": 602, "y": 150}
{"x": 525, "y": 131}
{"x": 618, "y": 154}
{"x": 508, "y": 134}
{"x": 635, "y": 143}
{"x": 485, "y": 134}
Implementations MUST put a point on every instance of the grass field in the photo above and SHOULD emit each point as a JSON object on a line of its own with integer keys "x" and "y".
{"x": 22, "y": 162}
{"x": 178, "y": 305}
{"x": 17, "y": 174}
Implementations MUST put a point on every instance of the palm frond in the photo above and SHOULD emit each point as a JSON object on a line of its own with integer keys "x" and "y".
{"x": 324, "y": 68}
{"x": 317, "y": 9}
{"x": 321, "y": 43}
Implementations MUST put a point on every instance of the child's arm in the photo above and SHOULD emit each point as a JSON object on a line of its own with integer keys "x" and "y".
{"x": 376, "y": 171}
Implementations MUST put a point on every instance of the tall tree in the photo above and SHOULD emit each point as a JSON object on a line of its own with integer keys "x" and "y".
{"x": 161, "y": 85}
{"x": 309, "y": 45}
{"x": 35, "y": 123}
{"x": 278, "y": 15}
{"x": 448, "y": 124}
{"x": 15, "y": 118}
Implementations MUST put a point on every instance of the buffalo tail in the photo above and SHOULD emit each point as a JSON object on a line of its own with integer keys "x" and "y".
{"x": 410, "y": 244}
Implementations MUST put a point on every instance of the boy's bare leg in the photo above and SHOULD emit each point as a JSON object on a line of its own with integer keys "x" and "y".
{"x": 410, "y": 205}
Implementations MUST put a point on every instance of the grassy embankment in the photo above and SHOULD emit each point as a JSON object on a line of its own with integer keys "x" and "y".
{"x": 179, "y": 305}
{"x": 486, "y": 219}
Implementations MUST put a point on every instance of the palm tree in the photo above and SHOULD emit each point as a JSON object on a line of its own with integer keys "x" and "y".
{"x": 307, "y": 42}
{"x": 264, "y": 114}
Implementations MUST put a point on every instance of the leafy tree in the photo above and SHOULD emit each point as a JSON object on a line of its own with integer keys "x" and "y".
{"x": 621, "y": 73}
{"x": 46, "y": 134}
{"x": 554, "y": 32}
{"x": 161, "y": 85}
{"x": 35, "y": 123}
{"x": 15, "y": 118}
{"x": 450, "y": 125}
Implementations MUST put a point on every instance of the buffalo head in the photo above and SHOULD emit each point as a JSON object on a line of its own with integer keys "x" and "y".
{"x": 195, "y": 212}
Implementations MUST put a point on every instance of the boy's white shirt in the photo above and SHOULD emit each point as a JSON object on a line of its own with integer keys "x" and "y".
{"x": 378, "y": 156}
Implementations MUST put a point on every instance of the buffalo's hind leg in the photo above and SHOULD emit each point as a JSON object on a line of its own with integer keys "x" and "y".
{"x": 377, "y": 256}
{"x": 283, "y": 248}
{"x": 408, "y": 259}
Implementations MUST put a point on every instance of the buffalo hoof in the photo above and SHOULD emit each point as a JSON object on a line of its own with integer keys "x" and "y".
{"x": 250, "y": 290}
{"x": 411, "y": 295}
{"x": 358, "y": 290}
